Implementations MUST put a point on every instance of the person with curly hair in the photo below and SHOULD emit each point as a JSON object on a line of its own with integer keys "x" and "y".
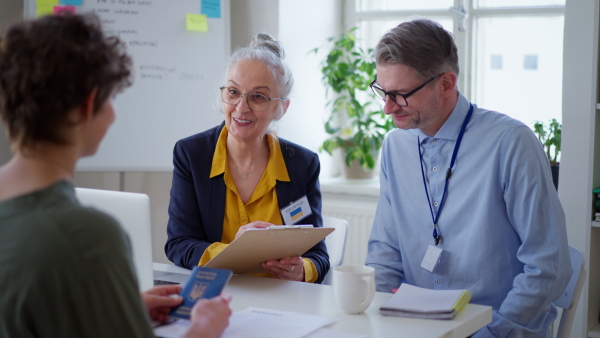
{"x": 67, "y": 270}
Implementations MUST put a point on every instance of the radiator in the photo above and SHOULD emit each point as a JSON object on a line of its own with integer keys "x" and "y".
{"x": 359, "y": 215}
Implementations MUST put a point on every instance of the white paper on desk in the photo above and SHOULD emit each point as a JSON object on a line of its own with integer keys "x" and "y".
{"x": 266, "y": 323}
{"x": 329, "y": 333}
{"x": 257, "y": 322}
{"x": 175, "y": 329}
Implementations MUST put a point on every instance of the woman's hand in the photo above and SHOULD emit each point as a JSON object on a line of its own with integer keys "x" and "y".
{"x": 253, "y": 225}
{"x": 159, "y": 301}
{"x": 290, "y": 268}
{"x": 209, "y": 317}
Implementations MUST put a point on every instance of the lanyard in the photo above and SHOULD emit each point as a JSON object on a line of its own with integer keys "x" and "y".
{"x": 436, "y": 235}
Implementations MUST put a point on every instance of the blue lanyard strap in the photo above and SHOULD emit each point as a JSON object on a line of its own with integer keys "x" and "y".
{"x": 436, "y": 235}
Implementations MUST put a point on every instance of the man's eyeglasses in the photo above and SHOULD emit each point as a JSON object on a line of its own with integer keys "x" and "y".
{"x": 256, "y": 101}
{"x": 399, "y": 99}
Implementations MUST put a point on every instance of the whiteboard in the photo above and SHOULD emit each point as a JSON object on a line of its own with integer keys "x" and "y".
{"x": 176, "y": 85}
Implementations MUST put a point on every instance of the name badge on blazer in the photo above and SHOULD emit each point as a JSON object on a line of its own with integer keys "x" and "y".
{"x": 296, "y": 211}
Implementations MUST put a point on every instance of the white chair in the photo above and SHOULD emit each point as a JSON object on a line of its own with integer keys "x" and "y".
{"x": 335, "y": 242}
{"x": 568, "y": 301}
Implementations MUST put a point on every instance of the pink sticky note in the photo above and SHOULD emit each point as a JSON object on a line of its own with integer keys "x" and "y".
{"x": 64, "y": 9}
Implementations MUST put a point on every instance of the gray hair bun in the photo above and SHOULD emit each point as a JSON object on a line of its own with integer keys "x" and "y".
{"x": 264, "y": 40}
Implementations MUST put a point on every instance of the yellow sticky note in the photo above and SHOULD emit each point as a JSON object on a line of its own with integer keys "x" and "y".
{"x": 196, "y": 22}
{"x": 44, "y": 10}
{"x": 46, "y": 2}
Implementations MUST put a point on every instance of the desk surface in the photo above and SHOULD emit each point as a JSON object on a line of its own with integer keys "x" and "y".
{"x": 319, "y": 299}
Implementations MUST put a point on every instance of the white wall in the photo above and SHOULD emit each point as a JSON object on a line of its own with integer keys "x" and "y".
{"x": 4, "y": 147}
{"x": 305, "y": 118}
{"x": 10, "y": 10}
{"x": 250, "y": 17}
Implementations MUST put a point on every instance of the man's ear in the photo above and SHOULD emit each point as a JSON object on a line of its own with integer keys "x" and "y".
{"x": 448, "y": 81}
{"x": 87, "y": 107}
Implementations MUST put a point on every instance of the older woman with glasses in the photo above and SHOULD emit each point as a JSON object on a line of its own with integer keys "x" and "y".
{"x": 239, "y": 175}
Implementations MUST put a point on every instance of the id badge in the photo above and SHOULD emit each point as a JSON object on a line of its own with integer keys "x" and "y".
{"x": 432, "y": 257}
{"x": 296, "y": 211}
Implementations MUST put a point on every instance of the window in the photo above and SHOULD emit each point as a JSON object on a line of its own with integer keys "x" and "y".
{"x": 510, "y": 50}
{"x": 530, "y": 62}
{"x": 496, "y": 61}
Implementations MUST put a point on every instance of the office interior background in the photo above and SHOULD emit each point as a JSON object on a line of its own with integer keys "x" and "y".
{"x": 530, "y": 59}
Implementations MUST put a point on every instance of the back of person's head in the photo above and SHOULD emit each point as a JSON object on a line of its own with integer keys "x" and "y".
{"x": 266, "y": 49}
{"x": 421, "y": 44}
{"x": 48, "y": 67}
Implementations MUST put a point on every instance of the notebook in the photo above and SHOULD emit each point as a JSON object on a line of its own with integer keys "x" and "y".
{"x": 415, "y": 302}
{"x": 132, "y": 211}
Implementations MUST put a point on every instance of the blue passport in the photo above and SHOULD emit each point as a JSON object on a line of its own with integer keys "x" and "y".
{"x": 203, "y": 283}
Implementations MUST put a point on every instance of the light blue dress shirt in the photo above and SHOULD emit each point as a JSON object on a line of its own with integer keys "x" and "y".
{"x": 502, "y": 225}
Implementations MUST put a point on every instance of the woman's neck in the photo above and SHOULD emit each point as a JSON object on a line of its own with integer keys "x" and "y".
{"x": 246, "y": 153}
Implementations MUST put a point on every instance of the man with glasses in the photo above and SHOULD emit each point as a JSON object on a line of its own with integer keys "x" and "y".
{"x": 467, "y": 199}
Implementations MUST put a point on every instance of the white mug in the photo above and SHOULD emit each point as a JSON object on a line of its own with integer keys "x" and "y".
{"x": 353, "y": 287}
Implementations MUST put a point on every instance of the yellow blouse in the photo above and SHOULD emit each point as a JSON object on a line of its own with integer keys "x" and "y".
{"x": 262, "y": 205}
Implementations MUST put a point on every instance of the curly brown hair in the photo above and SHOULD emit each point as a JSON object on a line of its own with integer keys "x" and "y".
{"x": 48, "y": 67}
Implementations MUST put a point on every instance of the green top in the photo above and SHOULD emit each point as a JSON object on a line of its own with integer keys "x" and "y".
{"x": 66, "y": 270}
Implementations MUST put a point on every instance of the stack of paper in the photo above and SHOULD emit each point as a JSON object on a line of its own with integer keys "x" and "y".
{"x": 415, "y": 302}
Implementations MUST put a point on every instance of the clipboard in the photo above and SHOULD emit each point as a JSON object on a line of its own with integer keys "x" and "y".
{"x": 247, "y": 253}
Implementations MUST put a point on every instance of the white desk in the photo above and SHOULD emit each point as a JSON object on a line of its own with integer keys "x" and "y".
{"x": 319, "y": 299}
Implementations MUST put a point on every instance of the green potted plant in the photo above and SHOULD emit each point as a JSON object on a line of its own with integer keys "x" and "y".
{"x": 550, "y": 138}
{"x": 356, "y": 122}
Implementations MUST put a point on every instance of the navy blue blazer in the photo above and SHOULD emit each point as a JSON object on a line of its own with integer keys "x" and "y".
{"x": 197, "y": 206}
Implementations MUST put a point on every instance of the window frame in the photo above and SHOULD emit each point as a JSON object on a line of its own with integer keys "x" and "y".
{"x": 464, "y": 38}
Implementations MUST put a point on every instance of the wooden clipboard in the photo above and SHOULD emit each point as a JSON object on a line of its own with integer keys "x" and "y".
{"x": 246, "y": 253}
